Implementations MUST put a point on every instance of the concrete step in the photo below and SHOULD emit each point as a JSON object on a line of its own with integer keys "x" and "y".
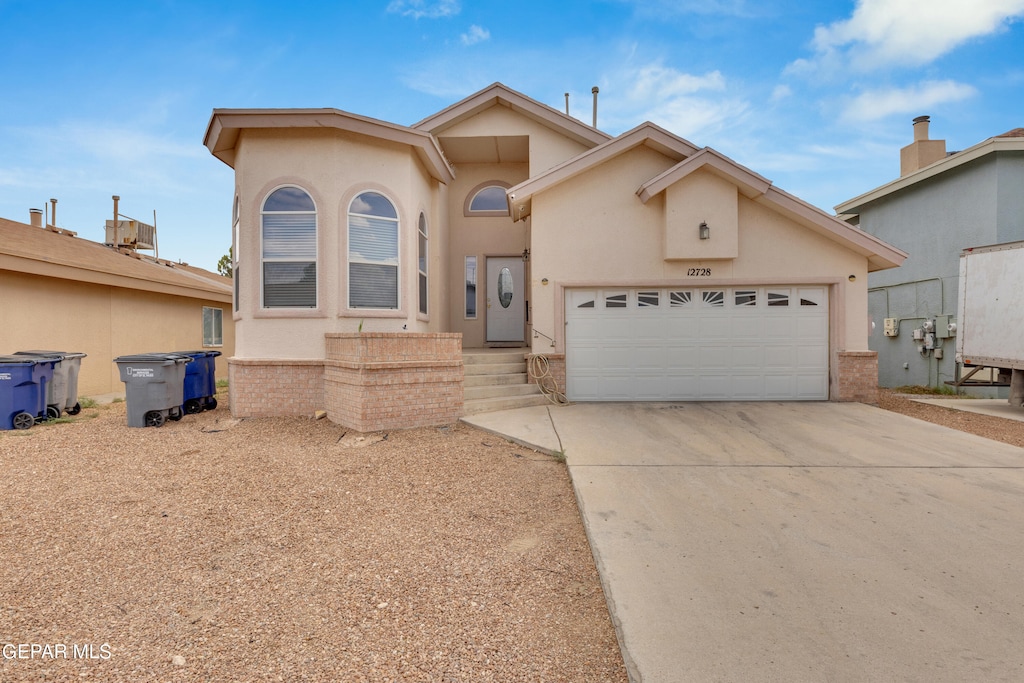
{"x": 487, "y": 405}
{"x": 498, "y": 390}
{"x": 492, "y": 357}
{"x": 494, "y": 368}
{"x": 492, "y": 380}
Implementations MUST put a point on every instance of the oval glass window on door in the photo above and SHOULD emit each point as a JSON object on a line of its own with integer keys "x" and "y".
{"x": 505, "y": 287}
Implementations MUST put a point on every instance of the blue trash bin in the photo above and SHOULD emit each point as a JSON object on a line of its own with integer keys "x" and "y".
{"x": 62, "y": 393}
{"x": 23, "y": 386}
{"x": 200, "y": 381}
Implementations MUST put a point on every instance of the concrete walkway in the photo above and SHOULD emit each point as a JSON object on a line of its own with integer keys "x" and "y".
{"x": 996, "y": 407}
{"x": 795, "y": 541}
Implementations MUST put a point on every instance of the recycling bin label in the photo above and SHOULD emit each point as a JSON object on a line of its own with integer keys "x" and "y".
{"x": 140, "y": 372}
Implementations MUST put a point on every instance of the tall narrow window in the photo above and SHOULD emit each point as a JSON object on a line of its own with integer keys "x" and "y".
{"x": 289, "y": 249}
{"x": 234, "y": 250}
{"x": 372, "y": 252}
{"x": 423, "y": 264}
{"x": 471, "y": 287}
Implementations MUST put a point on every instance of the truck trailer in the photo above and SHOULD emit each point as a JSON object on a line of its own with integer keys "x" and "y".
{"x": 991, "y": 332}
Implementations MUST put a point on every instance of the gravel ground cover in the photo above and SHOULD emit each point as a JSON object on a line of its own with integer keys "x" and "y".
{"x": 287, "y": 549}
{"x": 995, "y": 428}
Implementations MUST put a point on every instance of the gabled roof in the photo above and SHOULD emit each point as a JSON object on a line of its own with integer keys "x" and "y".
{"x": 498, "y": 94}
{"x": 1011, "y": 141}
{"x": 226, "y": 124}
{"x": 38, "y": 251}
{"x": 749, "y": 183}
{"x": 647, "y": 134}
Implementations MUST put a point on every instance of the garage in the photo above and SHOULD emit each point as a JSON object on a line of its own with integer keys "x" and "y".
{"x": 740, "y": 343}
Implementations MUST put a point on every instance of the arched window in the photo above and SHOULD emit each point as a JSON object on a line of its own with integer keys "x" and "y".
{"x": 372, "y": 252}
{"x": 488, "y": 199}
{"x": 288, "y": 222}
{"x": 423, "y": 264}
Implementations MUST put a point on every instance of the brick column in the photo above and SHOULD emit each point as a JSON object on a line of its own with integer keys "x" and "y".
{"x": 857, "y": 376}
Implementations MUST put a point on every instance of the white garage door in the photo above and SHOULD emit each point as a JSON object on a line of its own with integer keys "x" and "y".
{"x": 699, "y": 344}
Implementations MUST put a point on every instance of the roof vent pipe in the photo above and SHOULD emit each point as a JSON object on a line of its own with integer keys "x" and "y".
{"x": 53, "y": 212}
{"x": 116, "y": 199}
{"x": 566, "y": 104}
{"x": 35, "y": 217}
{"x": 595, "y": 91}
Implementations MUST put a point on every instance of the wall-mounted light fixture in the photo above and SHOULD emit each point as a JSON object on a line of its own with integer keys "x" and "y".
{"x": 852, "y": 278}
{"x": 704, "y": 231}
{"x": 544, "y": 281}
{"x": 526, "y": 254}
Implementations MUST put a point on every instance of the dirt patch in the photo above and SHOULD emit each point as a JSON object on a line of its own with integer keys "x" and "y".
{"x": 990, "y": 427}
{"x": 287, "y": 549}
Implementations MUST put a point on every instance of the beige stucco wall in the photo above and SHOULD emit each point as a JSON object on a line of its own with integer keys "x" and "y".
{"x": 594, "y": 230}
{"x": 334, "y": 167}
{"x": 103, "y": 322}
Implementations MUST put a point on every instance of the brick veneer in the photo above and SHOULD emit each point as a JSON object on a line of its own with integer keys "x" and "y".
{"x": 380, "y": 380}
{"x": 857, "y": 376}
{"x": 266, "y": 387}
{"x": 556, "y": 368}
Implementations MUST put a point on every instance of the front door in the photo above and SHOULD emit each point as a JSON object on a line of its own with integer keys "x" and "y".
{"x": 506, "y": 305}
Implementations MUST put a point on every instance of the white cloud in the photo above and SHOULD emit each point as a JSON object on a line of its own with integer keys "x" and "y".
{"x": 423, "y": 8}
{"x": 904, "y": 32}
{"x": 476, "y": 34}
{"x": 876, "y": 104}
{"x": 781, "y": 92}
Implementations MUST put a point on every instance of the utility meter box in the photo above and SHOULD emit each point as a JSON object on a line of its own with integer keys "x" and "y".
{"x": 892, "y": 327}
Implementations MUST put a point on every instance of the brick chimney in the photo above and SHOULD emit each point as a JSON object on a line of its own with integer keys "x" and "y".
{"x": 922, "y": 151}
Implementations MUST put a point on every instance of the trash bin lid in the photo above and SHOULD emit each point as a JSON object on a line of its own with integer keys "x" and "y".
{"x": 62, "y": 354}
{"x": 153, "y": 358}
{"x": 19, "y": 360}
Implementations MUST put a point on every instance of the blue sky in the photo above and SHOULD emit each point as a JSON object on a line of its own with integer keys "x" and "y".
{"x": 104, "y": 98}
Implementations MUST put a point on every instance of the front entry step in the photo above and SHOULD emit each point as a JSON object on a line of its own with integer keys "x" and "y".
{"x": 496, "y": 379}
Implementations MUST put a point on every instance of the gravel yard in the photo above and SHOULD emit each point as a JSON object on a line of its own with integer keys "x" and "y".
{"x": 995, "y": 428}
{"x": 288, "y": 550}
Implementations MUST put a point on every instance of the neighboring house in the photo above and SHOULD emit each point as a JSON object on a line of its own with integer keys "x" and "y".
{"x": 941, "y": 204}
{"x": 368, "y": 254}
{"x": 61, "y": 292}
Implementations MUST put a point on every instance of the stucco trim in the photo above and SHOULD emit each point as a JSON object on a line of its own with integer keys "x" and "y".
{"x": 222, "y": 133}
{"x": 750, "y": 184}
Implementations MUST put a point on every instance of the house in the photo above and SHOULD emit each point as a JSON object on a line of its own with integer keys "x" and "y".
{"x": 66, "y": 293}
{"x": 370, "y": 254}
{"x": 941, "y": 204}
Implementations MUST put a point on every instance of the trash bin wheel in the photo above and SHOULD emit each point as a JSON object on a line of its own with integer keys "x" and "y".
{"x": 175, "y": 414}
{"x": 155, "y": 418}
{"x": 23, "y": 421}
{"x": 193, "y": 406}
{"x": 211, "y": 403}
{"x": 52, "y": 412}
{"x": 75, "y": 409}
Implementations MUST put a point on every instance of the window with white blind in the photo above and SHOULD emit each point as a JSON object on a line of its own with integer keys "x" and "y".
{"x": 289, "y": 249}
{"x": 372, "y": 252}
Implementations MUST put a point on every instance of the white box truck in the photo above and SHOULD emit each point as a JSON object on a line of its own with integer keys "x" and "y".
{"x": 991, "y": 332}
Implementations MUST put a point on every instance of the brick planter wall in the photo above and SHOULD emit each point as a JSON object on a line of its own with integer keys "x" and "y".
{"x": 380, "y": 380}
{"x": 268, "y": 387}
{"x": 857, "y": 375}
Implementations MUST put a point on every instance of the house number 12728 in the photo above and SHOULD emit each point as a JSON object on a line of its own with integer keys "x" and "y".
{"x": 698, "y": 272}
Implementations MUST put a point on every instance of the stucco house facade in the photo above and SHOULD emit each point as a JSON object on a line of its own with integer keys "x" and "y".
{"x": 369, "y": 255}
{"x": 942, "y": 203}
{"x": 62, "y": 292}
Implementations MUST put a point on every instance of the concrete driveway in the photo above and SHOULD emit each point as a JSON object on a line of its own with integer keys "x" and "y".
{"x": 796, "y": 541}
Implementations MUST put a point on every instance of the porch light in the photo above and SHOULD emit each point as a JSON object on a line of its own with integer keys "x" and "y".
{"x": 526, "y": 254}
{"x": 704, "y": 231}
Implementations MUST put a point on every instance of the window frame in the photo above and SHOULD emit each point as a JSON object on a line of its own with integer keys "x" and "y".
{"x": 423, "y": 266}
{"x": 475, "y": 314}
{"x": 472, "y": 194}
{"x": 217, "y": 316}
{"x": 397, "y": 265}
{"x": 316, "y": 248}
